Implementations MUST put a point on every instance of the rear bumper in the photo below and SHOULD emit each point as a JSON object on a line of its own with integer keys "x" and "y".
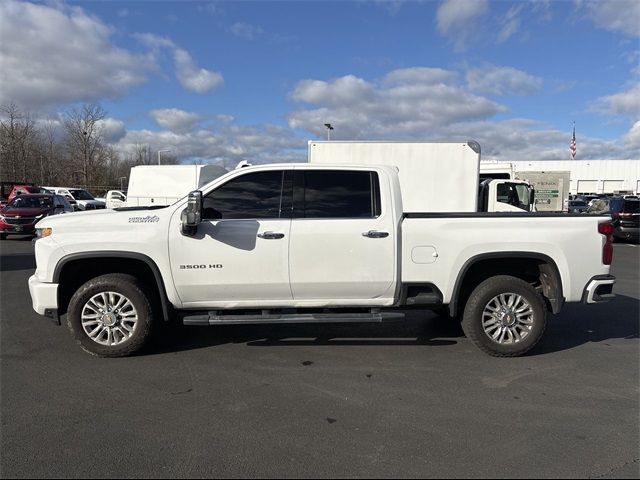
{"x": 628, "y": 233}
{"x": 44, "y": 297}
{"x": 599, "y": 289}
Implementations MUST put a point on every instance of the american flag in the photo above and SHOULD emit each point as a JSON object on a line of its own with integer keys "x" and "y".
{"x": 572, "y": 146}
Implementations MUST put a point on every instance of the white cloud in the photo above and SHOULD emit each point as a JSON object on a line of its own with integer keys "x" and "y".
{"x": 632, "y": 138}
{"x": 54, "y": 55}
{"x": 427, "y": 104}
{"x": 245, "y": 30}
{"x": 174, "y": 119}
{"x": 191, "y": 77}
{"x": 407, "y": 102}
{"x": 493, "y": 80}
{"x": 510, "y": 23}
{"x": 153, "y": 41}
{"x": 615, "y": 15}
{"x": 112, "y": 129}
{"x": 626, "y": 103}
{"x": 456, "y": 18}
{"x": 226, "y": 143}
{"x": 421, "y": 75}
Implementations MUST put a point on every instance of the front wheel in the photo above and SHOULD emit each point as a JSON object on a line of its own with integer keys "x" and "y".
{"x": 504, "y": 316}
{"x": 111, "y": 315}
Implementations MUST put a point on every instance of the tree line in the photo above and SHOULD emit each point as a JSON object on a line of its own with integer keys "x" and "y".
{"x": 70, "y": 152}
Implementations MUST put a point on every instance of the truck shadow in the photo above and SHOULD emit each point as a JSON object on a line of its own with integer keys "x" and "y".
{"x": 417, "y": 329}
{"x": 577, "y": 325}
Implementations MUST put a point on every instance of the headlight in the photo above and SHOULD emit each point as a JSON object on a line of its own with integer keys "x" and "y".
{"x": 43, "y": 232}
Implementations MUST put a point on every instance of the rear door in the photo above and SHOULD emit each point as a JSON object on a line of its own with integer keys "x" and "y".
{"x": 240, "y": 252}
{"x": 342, "y": 242}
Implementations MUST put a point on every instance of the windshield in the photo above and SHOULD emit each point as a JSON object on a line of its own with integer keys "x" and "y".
{"x": 30, "y": 202}
{"x": 514, "y": 194}
{"x": 81, "y": 195}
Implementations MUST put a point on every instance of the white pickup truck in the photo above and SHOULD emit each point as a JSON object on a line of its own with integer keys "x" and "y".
{"x": 313, "y": 243}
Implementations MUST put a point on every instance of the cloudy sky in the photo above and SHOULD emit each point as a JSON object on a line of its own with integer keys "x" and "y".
{"x": 249, "y": 80}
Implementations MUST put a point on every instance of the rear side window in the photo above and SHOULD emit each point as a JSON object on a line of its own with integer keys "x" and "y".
{"x": 254, "y": 195}
{"x": 336, "y": 194}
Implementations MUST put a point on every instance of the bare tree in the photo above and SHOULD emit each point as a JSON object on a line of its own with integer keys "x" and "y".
{"x": 17, "y": 135}
{"x": 85, "y": 139}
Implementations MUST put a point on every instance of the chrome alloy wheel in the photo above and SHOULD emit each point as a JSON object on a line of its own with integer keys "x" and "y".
{"x": 109, "y": 318}
{"x": 507, "y": 318}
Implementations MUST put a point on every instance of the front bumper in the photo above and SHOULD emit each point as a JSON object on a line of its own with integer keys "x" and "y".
{"x": 599, "y": 289}
{"x": 27, "y": 229}
{"x": 44, "y": 297}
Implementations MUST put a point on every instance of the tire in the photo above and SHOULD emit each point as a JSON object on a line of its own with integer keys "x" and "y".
{"x": 507, "y": 332}
{"x": 3, "y": 236}
{"x": 122, "y": 327}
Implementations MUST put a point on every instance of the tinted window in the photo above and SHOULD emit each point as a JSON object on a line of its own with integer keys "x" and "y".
{"x": 81, "y": 195}
{"x": 631, "y": 206}
{"x": 337, "y": 194}
{"x": 30, "y": 202}
{"x": 255, "y": 195}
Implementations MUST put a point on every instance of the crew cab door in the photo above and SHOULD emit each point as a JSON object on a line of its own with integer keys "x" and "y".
{"x": 343, "y": 238}
{"x": 239, "y": 255}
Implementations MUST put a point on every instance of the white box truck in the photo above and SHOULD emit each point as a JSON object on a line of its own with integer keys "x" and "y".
{"x": 439, "y": 176}
{"x": 162, "y": 184}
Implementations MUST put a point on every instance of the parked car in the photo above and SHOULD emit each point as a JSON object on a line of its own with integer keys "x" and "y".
{"x": 577, "y": 206}
{"x": 18, "y": 189}
{"x": 625, "y": 213}
{"x": 22, "y": 213}
{"x": 82, "y": 199}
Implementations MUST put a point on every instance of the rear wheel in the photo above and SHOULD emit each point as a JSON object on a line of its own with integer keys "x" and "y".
{"x": 111, "y": 315}
{"x": 504, "y": 316}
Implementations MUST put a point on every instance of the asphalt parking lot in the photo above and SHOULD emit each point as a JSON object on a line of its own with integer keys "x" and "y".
{"x": 412, "y": 399}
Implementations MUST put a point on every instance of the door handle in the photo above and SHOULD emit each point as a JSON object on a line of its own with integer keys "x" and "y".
{"x": 375, "y": 234}
{"x": 271, "y": 235}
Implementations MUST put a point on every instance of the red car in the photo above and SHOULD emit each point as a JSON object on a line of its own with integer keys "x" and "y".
{"x": 17, "y": 189}
{"x": 23, "y": 212}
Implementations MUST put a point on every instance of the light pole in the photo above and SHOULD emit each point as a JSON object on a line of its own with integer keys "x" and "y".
{"x": 159, "y": 152}
{"x": 329, "y": 128}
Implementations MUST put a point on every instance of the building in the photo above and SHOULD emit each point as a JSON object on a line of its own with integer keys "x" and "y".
{"x": 590, "y": 176}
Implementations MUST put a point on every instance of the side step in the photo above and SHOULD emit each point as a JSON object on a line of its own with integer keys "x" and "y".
{"x": 212, "y": 318}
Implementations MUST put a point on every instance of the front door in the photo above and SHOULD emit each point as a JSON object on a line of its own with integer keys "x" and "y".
{"x": 239, "y": 256}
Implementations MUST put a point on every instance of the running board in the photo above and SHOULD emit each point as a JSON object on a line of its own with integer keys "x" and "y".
{"x": 214, "y": 319}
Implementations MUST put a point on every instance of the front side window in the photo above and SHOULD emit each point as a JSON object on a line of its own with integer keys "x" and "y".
{"x": 337, "y": 194}
{"x": 254, "y": 195}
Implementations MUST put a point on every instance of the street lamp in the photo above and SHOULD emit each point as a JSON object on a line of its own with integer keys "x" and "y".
{"x": 329, "y": 128}
{"x": 159, "y": 152}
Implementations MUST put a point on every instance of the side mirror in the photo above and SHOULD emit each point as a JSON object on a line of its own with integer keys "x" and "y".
{"x": 192, "y": 215}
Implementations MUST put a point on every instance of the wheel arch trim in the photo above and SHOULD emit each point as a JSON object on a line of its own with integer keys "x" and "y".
{"x": 164, "y": 301}
{"x": 556, "y": 303}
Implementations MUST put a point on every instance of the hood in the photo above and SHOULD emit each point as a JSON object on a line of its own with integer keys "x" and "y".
{"x": 90, "y": 202}
{"x": 100, "y": 219}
